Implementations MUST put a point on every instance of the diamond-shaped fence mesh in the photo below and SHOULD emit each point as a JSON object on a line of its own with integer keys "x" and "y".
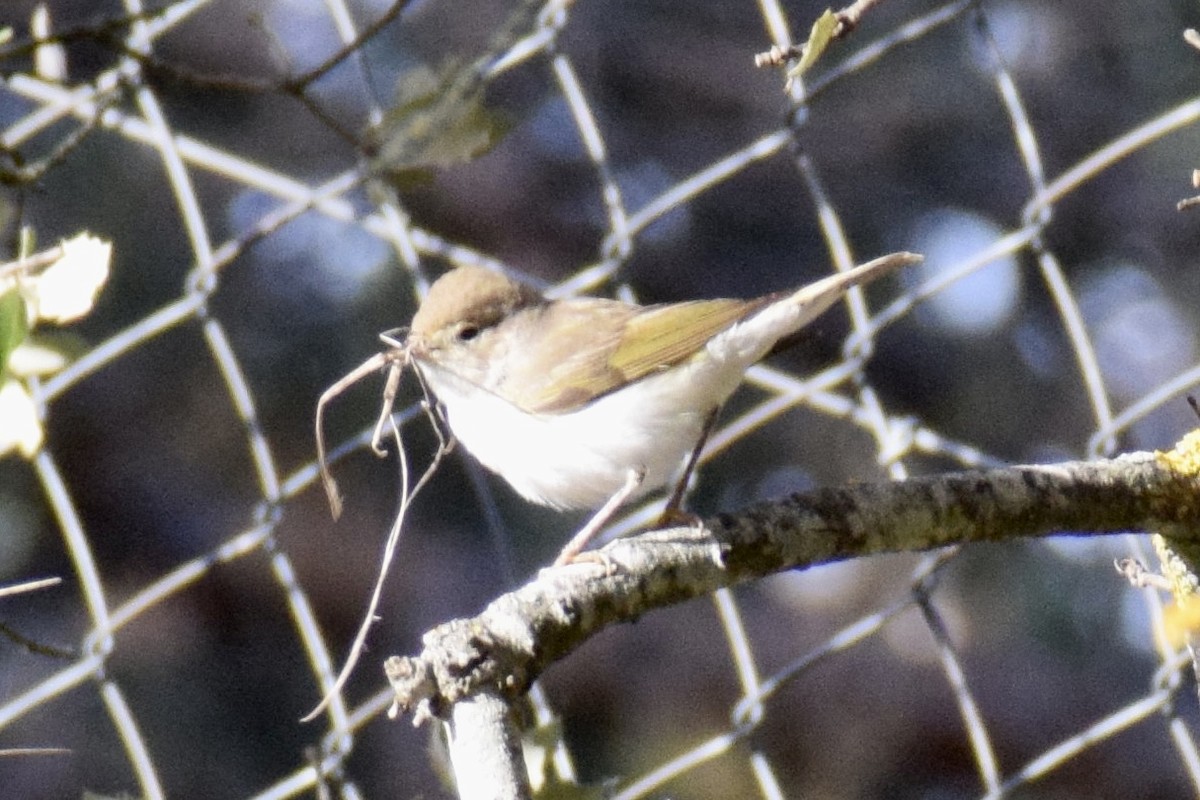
{"x": 1034, "y": 152}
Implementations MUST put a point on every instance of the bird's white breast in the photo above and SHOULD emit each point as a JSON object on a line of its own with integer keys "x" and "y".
{"x": 581, "y": 458}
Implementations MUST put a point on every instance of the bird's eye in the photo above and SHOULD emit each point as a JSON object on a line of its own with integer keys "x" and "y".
{"x": 467, "y": 332}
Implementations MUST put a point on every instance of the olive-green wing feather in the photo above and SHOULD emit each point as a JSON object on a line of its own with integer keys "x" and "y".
{"x": 587, "y": 348}
{"x": 663, "y": 336}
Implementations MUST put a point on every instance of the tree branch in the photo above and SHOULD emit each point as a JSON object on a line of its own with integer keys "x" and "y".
{"x": 485, "y": 750}
{"x": 521, "y": 633}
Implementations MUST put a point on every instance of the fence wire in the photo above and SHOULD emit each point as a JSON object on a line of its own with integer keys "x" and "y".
{"x": 1033, "y": 151}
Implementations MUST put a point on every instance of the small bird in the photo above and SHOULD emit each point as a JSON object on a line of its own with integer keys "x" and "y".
{"x": 584, "y": 403}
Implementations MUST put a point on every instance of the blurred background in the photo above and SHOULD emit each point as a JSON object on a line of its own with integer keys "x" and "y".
{"x": 636, "y": 151}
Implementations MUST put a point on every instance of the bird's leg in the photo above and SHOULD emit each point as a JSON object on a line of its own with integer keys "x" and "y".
{"x": 674, "y": 514}
{"x": 633, "y": 479}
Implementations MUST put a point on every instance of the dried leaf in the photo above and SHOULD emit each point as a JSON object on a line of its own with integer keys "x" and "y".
{"x": 818, "y": 40}
{"x": 439, "y": 120}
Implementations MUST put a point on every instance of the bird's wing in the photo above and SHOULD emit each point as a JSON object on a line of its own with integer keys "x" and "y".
{"x": 621, "y": 343}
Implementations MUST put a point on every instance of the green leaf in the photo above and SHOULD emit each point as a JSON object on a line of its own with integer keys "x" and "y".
{"x": 818, "y": 40}
{"x": 14, "y": 324}
{"x": 439, "y": 119}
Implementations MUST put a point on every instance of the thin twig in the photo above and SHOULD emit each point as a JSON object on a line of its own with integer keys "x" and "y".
{"x": 26, "y": 173}
{"x": 375, "y": 362}
{"x": 389, "y": 551}
{"x": 848, "y": 19}
{"x": 21, "y": 752}
{"x": 29, "y": 586}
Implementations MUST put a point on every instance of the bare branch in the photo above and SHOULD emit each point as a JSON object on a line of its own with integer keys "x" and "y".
{"x": 485, "y": 750}
{"x": 518, "y": 635}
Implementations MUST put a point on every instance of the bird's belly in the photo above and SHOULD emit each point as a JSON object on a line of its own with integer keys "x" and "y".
{"x": 581, "y": 458}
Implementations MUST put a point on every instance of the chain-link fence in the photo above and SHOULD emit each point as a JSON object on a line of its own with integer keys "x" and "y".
{"x": 1033, "y": 151}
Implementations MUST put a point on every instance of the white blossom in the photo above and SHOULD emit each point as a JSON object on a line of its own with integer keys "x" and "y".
{"x": 20, "y": 429}
{"x": 66, "y": 290}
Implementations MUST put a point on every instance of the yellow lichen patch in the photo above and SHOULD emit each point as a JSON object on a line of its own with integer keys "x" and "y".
{"x": 1181, "y": 621}
{"x": 1183, "y": 582}
{"x": 1185, "y": 458}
